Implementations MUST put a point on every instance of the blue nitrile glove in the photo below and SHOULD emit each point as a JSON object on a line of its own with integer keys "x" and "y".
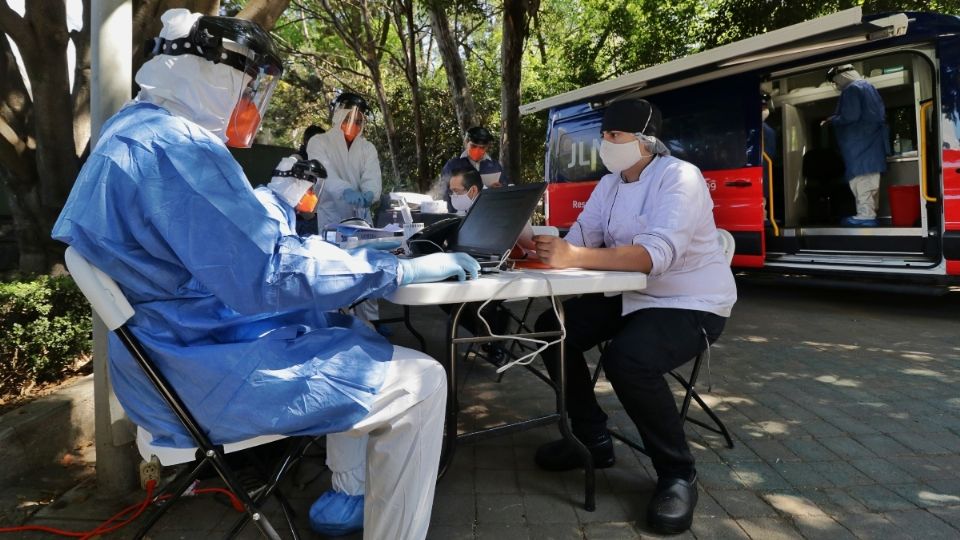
{"x": 337, "y": 514}
{"x": 437, "y": 267}
{"x": 367, "y": 198}
{"x": 352, "y": 197}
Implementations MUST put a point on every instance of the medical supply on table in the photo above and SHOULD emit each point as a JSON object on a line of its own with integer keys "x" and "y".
{"x": 410, "y": 229}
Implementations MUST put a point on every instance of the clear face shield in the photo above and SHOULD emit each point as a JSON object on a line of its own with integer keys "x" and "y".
{"x": 243, "y": 46}
{"x": 261, "y": 80}
{"x": 352, "y": 120}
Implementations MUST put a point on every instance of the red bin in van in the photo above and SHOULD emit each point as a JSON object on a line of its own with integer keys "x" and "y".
{"x": 904, "y": 205}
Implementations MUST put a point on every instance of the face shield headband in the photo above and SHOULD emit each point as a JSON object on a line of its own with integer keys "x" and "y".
{"x": 311, "y": 171}
{"x": 243, "y": 46}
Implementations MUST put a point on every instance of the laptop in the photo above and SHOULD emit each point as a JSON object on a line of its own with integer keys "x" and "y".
{"x": 494, "y": 223}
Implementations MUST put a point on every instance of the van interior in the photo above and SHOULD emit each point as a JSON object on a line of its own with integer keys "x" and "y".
{"x": 809, "y": 193}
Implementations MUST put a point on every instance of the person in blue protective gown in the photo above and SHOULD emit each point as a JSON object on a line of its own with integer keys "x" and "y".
{"x": 236, "y": 311}
{"x": 859, "y": 123}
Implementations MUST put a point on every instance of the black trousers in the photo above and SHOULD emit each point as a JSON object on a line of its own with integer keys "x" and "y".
{"x": 643, "y": 347}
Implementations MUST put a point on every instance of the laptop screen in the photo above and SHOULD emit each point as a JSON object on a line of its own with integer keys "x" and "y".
{"x": 496, "y": 219}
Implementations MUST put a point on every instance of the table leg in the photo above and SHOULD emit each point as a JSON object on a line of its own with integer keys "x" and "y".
{"x": 453, "y": 405}
{"x": 589, "y": 474}
{"x": 409, "y": 325}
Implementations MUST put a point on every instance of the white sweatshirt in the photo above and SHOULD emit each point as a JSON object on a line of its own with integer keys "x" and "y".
{"x": 669, "y": 212}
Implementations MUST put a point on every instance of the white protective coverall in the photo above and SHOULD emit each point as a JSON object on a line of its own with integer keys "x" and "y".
{"x": 356, "y": 167}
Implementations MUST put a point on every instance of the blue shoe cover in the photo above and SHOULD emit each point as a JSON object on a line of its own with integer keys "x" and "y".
{"x": 337, "y": 514}
{"x": 851, "y": 221}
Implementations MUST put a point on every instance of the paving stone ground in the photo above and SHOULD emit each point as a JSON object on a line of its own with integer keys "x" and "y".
{"x": 843, "y": 407}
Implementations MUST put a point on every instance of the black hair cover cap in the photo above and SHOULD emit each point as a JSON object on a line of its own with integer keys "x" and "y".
{"x": 479, "y": 135}
{"x": 631, "y": 116}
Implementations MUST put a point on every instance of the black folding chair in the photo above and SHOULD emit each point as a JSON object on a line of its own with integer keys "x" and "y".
{"x": 689, "y": 383}
{"x": 110, "y": 303}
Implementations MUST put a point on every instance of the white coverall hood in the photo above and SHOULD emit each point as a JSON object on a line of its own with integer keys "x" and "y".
{"x": 189, "y": 86}
{"x": 289, "y": 189}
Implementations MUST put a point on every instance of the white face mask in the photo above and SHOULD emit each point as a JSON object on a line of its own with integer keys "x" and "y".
{"x": 620, "y": 157}
{"x": 461, "y": 203}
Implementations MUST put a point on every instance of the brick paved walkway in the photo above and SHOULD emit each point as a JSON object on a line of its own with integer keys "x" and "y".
{"x": 844, "y": 408}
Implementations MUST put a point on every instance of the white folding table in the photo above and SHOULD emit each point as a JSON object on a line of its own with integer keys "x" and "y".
{"x": 504, "y": 286}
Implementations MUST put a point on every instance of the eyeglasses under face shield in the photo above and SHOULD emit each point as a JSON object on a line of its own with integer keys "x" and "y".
{"x": 245, "y": 47}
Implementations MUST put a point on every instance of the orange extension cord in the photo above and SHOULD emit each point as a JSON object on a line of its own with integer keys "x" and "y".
{"x": 118, "y": 521}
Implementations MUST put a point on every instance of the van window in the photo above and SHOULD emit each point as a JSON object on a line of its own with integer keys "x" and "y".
{"x": 575, "y": 152}
{"x": 708, "y": 132}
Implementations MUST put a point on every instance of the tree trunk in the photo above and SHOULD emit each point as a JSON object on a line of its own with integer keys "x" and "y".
{"x": 408, "y": 39}
{"x": 516, "y": 23}
{"x": 81, "y": 84}
{"x": 389, "y": 128}
{"x": 43, "y": 135}
{"x": 147, "y": 25}
{"x": 263, "y": 12}
{"x": 39, "y": 188}
{"x": 463, "y": 102}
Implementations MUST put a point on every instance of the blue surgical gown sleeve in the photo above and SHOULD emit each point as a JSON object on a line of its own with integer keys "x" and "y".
{"x": 223, "y": 236}
{"x": 236, "y": 315}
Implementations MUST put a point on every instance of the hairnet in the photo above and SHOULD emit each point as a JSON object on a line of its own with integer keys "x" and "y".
{"x": 637, "y": 116}
{"x": 188, "y": 85}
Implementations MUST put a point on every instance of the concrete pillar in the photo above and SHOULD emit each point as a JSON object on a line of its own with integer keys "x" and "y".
{"x": 111, "y": 27}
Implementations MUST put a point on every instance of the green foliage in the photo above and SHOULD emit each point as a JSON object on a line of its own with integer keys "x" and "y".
{"x": 571, "y": 44}
{"x": 45, "y": 326}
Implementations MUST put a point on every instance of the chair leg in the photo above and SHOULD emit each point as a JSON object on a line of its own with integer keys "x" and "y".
{"x": 290, "y": 458}
{"x": 722, "y": 429}
{"x": 689, "y": 384}
{"x": 252, "y": 508}
{"x": 692, "y": 394}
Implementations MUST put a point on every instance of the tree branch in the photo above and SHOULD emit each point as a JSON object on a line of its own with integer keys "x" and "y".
{"x": 16, "y": 27}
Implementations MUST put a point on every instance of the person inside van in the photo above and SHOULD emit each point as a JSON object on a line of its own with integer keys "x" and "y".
{"x": 653, "y": 214}
{"x": 769, "y": 147}
{"x": 859, "y": 123}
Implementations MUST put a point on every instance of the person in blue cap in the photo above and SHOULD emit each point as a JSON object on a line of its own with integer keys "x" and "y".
{"x": 476, "y": 147}
{"x": 860, "y": 123}
{"x": 237, "y": 311}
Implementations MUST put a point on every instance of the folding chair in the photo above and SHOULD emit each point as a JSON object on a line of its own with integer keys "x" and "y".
{"x": 689, "y": 383}
{"x": 109, "y": 302}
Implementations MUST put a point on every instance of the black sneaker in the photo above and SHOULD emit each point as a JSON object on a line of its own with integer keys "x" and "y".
{"x": 671, "y": 509}
{"x": 562, "y": 455}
